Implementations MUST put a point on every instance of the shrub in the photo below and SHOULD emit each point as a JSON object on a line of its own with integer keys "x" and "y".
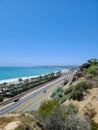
{"x": 62, "y": 117}
{"x": 76, "y": 95}
{"x": 71, "y": 109}
{"x": 89, "y": 76}
{"x": 94, "y": 125}
{"x": 59, "y": 89}
{"x": 93, "y": 61}
{"x": 47, "y": 107}
{"x": 21, "y": 127}
{"x": 57, "y": 93}
{"x": 76, "y": 92}
{"x": 65, "y": 82}
{"x": 68, "y": 90}
{"x": 85, "y": 66}
{"x": 1, "y": 98}
{"x": 83, "y": 86}
{"x": 76, "y": 122}
{"x": 54, "y": 121}
{"x": 59, "y": 121}
{"x": 63, "y": 99}
{"x": 93, "y": 70}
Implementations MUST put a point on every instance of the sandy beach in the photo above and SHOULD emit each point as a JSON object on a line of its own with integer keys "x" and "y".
{"x": 15, "y": 80}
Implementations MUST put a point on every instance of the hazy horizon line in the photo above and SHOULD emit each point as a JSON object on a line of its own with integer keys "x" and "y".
{"x": 41, "y": 65}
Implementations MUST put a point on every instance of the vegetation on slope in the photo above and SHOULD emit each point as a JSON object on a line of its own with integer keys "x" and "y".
{"x": 62, "y": 117}
{"x": 89, "y": 71}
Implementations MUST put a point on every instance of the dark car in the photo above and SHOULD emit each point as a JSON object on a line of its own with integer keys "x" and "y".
{"x": 16, "y": 100}
{"x": 44, "y": 91}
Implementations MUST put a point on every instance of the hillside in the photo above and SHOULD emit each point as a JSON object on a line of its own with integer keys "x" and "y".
{"x": 83, "y": 89}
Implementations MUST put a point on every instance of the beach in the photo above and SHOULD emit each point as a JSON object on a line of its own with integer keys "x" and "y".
{"x": 15, "y": 80}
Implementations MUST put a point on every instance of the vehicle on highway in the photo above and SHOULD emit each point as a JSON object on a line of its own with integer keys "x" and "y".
{"x": 44, "y": 91}
{"x": 16, "y": 100}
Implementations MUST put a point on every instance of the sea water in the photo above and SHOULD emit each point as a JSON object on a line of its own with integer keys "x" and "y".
{"x": 8, "y": 73}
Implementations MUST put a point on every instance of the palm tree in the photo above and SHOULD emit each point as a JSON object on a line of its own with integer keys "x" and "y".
{"x": 4, "y": 87}
{"x": 20, "y": 80}
{"x": 40, "y": 78}
{"x": 52, "y": 75}
{"x": 46, "y": 76}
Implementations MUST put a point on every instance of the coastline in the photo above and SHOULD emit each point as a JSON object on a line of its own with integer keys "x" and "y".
{"x": 15, "y": 80}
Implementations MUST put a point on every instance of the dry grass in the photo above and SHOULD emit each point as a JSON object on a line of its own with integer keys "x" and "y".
{"x": 90, "y": 103}
{"x": 4, "y": 120}
{"x": 10, "y": 121}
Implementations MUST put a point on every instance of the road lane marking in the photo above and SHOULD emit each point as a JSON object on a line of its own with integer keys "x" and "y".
{"x": 22, "y": 108}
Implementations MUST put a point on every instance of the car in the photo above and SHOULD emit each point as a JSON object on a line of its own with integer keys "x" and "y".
{"x": 16, "y": 100}
{"x": 44, "y": 91}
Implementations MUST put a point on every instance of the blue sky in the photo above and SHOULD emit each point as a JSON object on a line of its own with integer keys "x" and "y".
{"x": 48, "y": 32}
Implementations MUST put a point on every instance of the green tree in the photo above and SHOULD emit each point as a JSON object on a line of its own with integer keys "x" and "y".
{"x": 93, "y": 70}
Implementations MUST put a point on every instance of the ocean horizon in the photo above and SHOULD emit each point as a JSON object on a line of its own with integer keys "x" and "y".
{"x": 9, "y": 73}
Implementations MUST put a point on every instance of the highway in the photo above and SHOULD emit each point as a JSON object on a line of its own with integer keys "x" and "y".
{"x": 33, "y": 101}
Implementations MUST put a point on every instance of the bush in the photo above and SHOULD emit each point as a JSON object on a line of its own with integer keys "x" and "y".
{"x": 63, "y": 99}
{"x": 65, "y": 82}
{"x": 82, "y": 86}
{"x": 1, "y": 98}
{"x": 89, "y": 76}
{"x": 59, "y": 89}
{"x": 71, "y": 109}
{"x": 68, "y": 90}
{"x": 76, "y": 95}
{"x": 76, "y": 92}
{"x": 58, "y": 120}
{"x": 21, "y": 127}
{"x": 57, "y": 93}
{"x": 76, "y": 122}
{"x": 47, "y": 107}
{"x": 85, "y": 66}
{"x": 94, "y": 125}
{"x": 93, "y": 70}
{"x": 62, "y": 117}
{"x": 93, "y": 61}
{"x": 54, "y": 121}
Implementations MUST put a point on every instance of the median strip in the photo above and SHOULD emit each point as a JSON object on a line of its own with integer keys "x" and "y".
{"x": 22, "y": 108}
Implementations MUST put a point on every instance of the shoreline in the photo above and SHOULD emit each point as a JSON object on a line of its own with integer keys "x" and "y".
{"x": 15, "y": 80}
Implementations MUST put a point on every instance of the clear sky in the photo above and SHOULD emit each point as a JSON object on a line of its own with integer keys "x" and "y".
{"x": 48, "y": 32}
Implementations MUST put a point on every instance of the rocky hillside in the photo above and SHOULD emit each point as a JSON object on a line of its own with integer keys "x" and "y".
{"x": 88, "y": 71}
{"x": 82, "y": 90}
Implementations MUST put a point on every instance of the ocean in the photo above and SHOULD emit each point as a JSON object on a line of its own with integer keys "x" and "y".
{"x": 8, "y": 73}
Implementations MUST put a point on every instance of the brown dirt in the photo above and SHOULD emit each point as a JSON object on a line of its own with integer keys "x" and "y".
{"x": 90, "y": 102}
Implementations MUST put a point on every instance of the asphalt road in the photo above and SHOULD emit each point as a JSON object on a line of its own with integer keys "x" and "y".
{"x": 36, "y": 95}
